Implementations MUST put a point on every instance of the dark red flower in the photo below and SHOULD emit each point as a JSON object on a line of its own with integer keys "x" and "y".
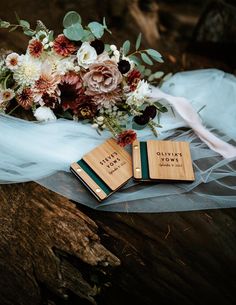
{"x": 126, "y": 137}
{"x": 133, "y": 79}
{"x": 35, "y": 48}
{"x": 63, "y": 46}
{"x": 86, "y": 110}
{"x": 72, "y": 91}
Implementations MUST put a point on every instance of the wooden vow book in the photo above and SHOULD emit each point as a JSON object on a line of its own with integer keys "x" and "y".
{"x": 162, "y": 160}
{"x": 104, "y": 169}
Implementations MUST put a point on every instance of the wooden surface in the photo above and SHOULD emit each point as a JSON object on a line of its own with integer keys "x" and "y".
{"x": 169, "y": 160}
{"x": 111, "y": 163}
{"x": 136, "y": 160}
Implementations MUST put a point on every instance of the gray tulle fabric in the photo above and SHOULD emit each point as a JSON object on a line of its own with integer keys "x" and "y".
{"x": 43, "y": 152}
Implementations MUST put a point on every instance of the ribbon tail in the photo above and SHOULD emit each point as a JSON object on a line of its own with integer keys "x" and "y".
{"x": 184, "y": 108}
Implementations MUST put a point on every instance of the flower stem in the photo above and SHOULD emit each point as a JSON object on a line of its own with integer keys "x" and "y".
{"x": 10, "y": 112}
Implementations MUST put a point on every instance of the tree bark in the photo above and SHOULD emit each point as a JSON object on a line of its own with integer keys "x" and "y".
{"x": 48, "y": 248}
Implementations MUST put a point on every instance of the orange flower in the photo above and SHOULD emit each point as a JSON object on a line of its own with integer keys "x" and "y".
{"x": 35, "y": 48}
{"x": 63, "y": 46}
{"x": 25, "y": 98}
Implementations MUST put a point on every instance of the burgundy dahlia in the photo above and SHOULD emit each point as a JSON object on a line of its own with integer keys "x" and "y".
{"x": 72, "y": 92}
{"x": 126, "y": 137}
{"x": 86, "y": 110}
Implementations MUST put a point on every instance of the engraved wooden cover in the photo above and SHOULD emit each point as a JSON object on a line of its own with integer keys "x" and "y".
{"x": 169, "y": 160}
{"x": 111, "y": 163}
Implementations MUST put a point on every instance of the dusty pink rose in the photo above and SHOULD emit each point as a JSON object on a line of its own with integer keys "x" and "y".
{"x": 102, "y": 77}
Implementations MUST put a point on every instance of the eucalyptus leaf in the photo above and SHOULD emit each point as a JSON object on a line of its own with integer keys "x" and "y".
{"x": 167, "y": 76}
{"x": 29, "y": 32}
{"x": 105, "y": 26}
{"x": 4, "y": 24}
{"x": 126, "y": 47}
{"x": 147, "y": 72}
{"x": 146, "y": 59}
{"x": 96, "y": 28}
{"x": 138, "y": 41}
{"x": 25, "y": 24}
{"x": 88, "y": 36}
{"x": 135, "y": 59}
{"x": 71, "y": 18}
{"x": 74, "y": 32}
{"x": 158, "y": 74}
{"x": 107, "y": 48}
{"x": 153, "y": 53}
{"x": 50, "y": 36}
{"x": 160, "y": 107}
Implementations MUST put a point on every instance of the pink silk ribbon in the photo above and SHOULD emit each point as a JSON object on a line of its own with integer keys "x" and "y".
{"x": 184, "y": 108}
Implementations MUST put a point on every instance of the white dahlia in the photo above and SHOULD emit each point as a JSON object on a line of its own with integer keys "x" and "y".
{"x": 28, "y": 71}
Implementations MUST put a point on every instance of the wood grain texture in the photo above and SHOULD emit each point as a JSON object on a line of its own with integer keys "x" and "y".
{"x": 48, "y": 248}
{"x": 136, "y": 159}
{"x": 111, "y": 163}
{"x": 169, "y": 160}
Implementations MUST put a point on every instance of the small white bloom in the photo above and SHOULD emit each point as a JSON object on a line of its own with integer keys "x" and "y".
{"x": 94, "y": 125}
{"x": 113, "y": 47}
{"x": 46, "y": 46}
{"x": 13, "y": 61}
{"x": 100, "y": 119}
{"x": 41, "y": 35}
{"x": 6, "y": 95}
{"x": 45, "y": 40}
{"x": 86, "y": 55}
{"x": 28, "y": 71}
{"x": 140, "y": 95}
{"x": 50, "y": 44}
{"x": 64, "y": 65}
{"x": 117, "y": 55}
{"x": 44, "y": 114}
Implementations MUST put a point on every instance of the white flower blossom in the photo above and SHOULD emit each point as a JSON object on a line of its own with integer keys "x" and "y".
{"x": 28, "y": 71}
{"x": 44, "y": 114}
{"x": 140, "y": 95}
{"x": 86, "y": 55}
{"x": 13, "y": 61}
{"x": 6, "y": 95}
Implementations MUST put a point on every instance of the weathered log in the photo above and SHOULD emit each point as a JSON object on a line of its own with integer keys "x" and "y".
{"x": 47, "y": 248}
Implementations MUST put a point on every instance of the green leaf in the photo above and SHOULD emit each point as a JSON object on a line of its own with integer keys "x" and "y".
{"x": 25, "y": 24}
{"x": 135, "y": 59}
{"x": 138, "y": 41}
{"x": 71, "y": 18}
{"x": 147, "y": 72}
{"x": 29, "y": 32}
{"x": 167, "y": 76}
{"x": 146, "y": 59}
{"x": 50, "y": 36}
{"x": 155, "y": 55}
{"x": 4, "y": 24}
{"x": 96, "y": 28}
{"x": 158, "y": 74}
{"x": 126, "y": 47}
{"x": 74, "y": 32}
{"x": 107, "y": 48}
{"x": 160, "y": 107}
{"x": 88, "y": 36}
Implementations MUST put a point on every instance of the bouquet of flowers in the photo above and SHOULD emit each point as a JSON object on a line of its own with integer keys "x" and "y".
{"x": 76, "y": 76}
